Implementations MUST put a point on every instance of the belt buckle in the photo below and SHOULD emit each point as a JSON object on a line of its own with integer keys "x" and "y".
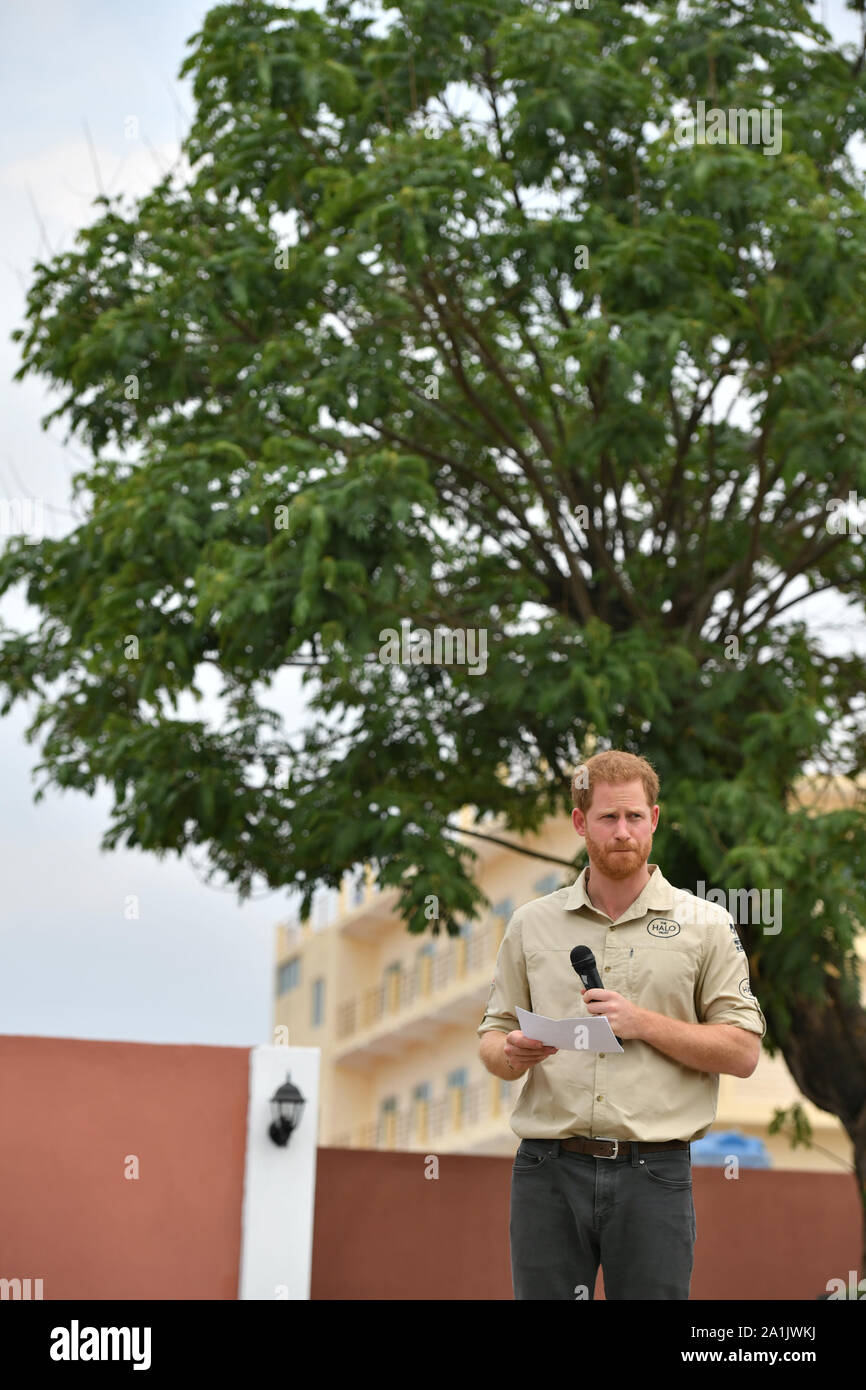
{"x": 615, "y": 1142}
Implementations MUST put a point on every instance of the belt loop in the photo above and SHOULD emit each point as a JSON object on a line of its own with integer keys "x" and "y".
{"x": 635, "y": 1154}
{"x": 554, "y": 1152}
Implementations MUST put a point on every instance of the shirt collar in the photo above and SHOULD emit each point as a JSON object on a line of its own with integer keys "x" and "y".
{"x": 657, "y": 894}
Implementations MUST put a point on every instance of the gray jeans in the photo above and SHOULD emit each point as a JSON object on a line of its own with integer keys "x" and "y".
{"x": 632, "y": 1214}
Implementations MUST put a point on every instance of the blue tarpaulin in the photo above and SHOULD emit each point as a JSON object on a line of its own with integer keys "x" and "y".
{"x": 715, "y": 1148}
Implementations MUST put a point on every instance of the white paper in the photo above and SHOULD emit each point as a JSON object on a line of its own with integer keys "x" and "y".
{"x": 590, "y": 1034}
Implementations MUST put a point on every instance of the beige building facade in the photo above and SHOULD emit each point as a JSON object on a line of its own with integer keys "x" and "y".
{"x": 395, "y": 1016}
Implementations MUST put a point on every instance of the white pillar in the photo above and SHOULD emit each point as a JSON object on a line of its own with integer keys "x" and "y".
{"x": 279, "y": 1183}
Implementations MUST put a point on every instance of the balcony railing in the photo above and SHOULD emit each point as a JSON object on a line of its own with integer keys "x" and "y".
{"x": 456, "y": 1112}
{"x": 429, "y": 975}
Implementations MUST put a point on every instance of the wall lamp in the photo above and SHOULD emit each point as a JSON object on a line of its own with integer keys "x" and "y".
{"x": 286, "y": 1106}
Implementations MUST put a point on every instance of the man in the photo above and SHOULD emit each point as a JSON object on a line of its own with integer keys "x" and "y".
{"x": 603, "y": 1172}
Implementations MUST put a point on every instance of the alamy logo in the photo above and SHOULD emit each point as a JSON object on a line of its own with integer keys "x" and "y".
{"x": 22, "y": 514}
{"x": 739, "y": 125}
{"x": 744, "y": 904}
{"x": 446, "y": 647}
{"x": 21, "y": 1288}
{"x": 663, "y": 926}
{"x": 76, "y": 1343}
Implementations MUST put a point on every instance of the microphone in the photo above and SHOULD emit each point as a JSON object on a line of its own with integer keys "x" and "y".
{"x": 583, "y": 961}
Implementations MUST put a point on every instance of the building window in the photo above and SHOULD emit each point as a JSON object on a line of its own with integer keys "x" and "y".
{"x": 318, "y": 1001}
{"x": 421, "y": 1111}
{"x": 289, "y": 975}
{"x": 423, "y": 974}
{"x": 548, "y": 884}
{"x": 393, "y": 984}
{"x": 387, "y": 1122}
{"x": 505, "y": 908}
{"x": 457, "y": 1095}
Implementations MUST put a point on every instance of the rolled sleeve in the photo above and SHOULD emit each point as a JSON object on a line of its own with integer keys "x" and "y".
{"x": 510, "y": 986}
{"x": 723, "y": 993}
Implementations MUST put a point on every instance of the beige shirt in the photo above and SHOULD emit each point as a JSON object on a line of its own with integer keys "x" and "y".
{"x": 670, "y": 952}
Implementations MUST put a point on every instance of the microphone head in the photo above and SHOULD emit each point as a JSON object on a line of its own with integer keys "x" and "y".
{"x": 582, "y": 959}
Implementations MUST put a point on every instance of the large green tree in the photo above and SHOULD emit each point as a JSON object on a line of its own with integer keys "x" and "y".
{"x": 451, "y": 324}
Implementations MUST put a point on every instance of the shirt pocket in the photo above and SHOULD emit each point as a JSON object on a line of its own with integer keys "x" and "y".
{"x": 663, "y": 978}
{"x": 616, "y": 968}
{"x": 556, "y": 988}
{"x": 554, "y": 984}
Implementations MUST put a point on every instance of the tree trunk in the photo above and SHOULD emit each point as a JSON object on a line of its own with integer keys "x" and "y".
{"x": 825, "y": 1050}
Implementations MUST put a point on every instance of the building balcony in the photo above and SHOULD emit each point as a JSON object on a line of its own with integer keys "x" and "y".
{"x": 448, "y": 986}
{"x": 464, "y": 1118}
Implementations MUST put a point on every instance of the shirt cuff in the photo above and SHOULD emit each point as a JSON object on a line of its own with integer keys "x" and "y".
{"x": 503, "y": 1027}
{"x": 750, "y": 1025}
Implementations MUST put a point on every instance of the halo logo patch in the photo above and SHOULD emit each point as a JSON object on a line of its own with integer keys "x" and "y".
{"x": 746, "y": 989}
{"x": 663, "y": 926}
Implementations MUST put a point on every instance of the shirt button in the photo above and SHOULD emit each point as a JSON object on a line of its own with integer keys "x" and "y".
{"x": 599, "y": 1097}
{"x": 601, "y": 1054}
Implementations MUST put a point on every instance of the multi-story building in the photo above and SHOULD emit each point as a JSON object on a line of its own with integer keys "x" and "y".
{"x": 395, "y": 1015}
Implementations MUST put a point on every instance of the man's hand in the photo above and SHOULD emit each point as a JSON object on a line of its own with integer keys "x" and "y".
{"x": 625, "y": 1018}
{"x": 522, "y": 1052}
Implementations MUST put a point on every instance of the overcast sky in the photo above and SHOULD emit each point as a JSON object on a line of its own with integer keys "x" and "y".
{"x": 195, "y": 966}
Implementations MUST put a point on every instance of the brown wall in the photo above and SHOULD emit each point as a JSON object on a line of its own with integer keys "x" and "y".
{"x": 383, "y": 1230}
{"x": 70, "y": 1111}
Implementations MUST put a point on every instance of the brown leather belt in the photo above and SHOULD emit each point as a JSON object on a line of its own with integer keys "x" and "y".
{"x": 609, "y": 1148}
